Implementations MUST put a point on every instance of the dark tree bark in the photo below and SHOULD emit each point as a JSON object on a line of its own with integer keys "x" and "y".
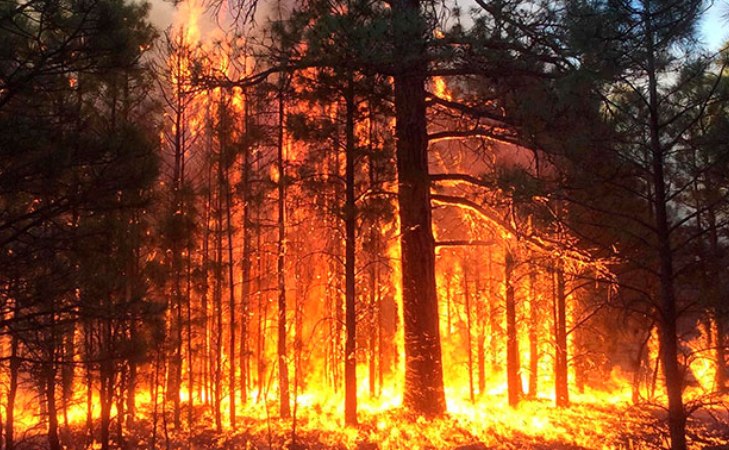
{"x": 424, "y": 391}
{"x": 350, "y": 219}
{"x": 667, "y": 315}
{"x": 218, "y": 294}
{"x": 561, "y": 382}
{"x": 283, "y": 371}
{"x": 246, "y": 255}
{"x": 231, "y": 300}
{"x": 533, "y": 333}
{"x": 512, "y": 342}
{"x": 54, "y": 442}
{"x": 12, "y": 392}
{"x": 469, "y": 331}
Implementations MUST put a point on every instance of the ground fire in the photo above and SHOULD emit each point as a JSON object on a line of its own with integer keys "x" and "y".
{"x": 363, "y": 224}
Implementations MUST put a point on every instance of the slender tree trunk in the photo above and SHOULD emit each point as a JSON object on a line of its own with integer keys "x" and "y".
{"x": 424, "y": 391}
{"x": 262, "y": 313}
{"x": 668, "y": 315}
{"x": 105, "y": 396}
{"x": 54, "y": 442}
{"x": 204, "y": 303}
{"x": 716, "y": 309}
{"x": 493, "y": 318}
{"x": 469, "y": 332}
{"x": 561, "y": 382}
{"x": 512, "y": 342}
{"x": 218, "y": 296}
{"x": 12, "y": 391}
{"x": 283, "y": 372}
{"x": 88, "y": 351}
{"x": 533, "y": 333}
{"x": 67, "y": 378}
{"x": 350, "y": 217}
{"x": 246, "y": 257}
{"x": 481, "y": 339}
{"x": 231, "y": 302}
{"x": 188, "y": 326}
{"x": 175, "y": 374}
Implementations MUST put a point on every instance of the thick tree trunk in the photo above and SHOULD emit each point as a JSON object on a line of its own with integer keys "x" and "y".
{"x": 350, "y": 218}
{"x": 424, "y": 391}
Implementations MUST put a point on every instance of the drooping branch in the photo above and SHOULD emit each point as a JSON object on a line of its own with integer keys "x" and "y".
{"x": 465, "y": 243}
{"x": 508, "y": 232}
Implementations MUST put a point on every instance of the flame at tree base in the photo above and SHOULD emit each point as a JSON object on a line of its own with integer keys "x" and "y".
{"x": 489, "y": 423}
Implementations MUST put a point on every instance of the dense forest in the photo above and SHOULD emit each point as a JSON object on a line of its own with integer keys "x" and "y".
{"x": 371, "y": 224}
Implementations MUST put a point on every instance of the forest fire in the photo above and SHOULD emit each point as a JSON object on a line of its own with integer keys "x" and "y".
{"x": 362, "y": 225}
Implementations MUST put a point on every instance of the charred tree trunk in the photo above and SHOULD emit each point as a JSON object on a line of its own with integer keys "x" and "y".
{"x": 561, "y": 382}
{"x": 469, "y": 332}
{"x": 533, "y": 333}
{"x": 231, "y": 301}
{"x": 188, "y": 326}
{"x": 716, "y": 308}
{"x": 106, "y": 393}
{"x": 54, "y": 442}
{"x": 350, "y": 217}
{"x": 668, "y": 314}
{"x": 424, "y": 391}
{"x": 12, "y": 391}
{"x": 246, "y": 255}
{"x": 204, "y": 303}
{"x": 283, "y": 371}
{"x": 175, "y": 370}
{"x": 512, "y": 343}
{"x": 218, "y": 294}
{"x": 67, "y": 378}
{"x": 481, "y": 338}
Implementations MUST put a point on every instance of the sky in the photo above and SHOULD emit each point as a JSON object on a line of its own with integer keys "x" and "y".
{"x": 714, "y": 27}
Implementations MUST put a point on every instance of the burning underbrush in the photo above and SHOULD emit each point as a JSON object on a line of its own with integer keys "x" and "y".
{"x": 487, "y": 424}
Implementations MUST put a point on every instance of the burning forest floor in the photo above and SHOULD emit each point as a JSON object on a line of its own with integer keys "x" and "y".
{"x": 534, "y": 424}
